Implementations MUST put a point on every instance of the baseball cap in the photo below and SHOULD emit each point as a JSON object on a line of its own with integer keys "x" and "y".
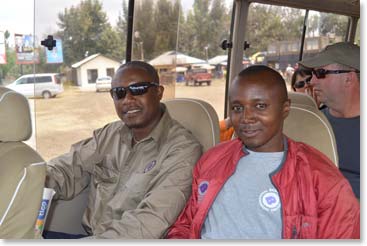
{"x": 341, "y": 53}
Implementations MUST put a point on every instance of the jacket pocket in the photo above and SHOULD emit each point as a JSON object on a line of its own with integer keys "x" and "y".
{"x": 300, "y": 227}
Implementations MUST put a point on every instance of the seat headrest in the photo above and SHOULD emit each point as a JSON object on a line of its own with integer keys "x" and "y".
{"x": 15, "y": 116}
{"x": 301, "y": 99}
{"x": 309, "y": 125}
{"x": 197, "y": 116}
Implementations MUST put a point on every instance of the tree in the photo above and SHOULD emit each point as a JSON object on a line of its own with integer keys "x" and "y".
{"x": 121, "y": 26}
{"x": 200, "y": 21}
{"x": 186, "y": 35}
{"x": 166, "y": 20}
{"x": 269, "y": 24}
{"x": 332, "y": 23}
{"x": 220, "y": 27}
{"x": 144, "y": 30}
{"x": 84, "y": 30}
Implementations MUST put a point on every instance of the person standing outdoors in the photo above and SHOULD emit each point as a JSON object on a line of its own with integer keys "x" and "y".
{"x": 336, "y": 83}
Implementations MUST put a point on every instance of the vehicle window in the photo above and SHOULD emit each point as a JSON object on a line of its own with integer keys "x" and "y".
{"x": 30, "y": 80}
{"x": 110, "y": 72}
{"x": 89, "y": 44}
{"x": 178, "y": 36}
{"x": 175, "y": 36}
{"x": 43, "y": 79}
{"x": 22, "y": 81}
{"x": 276, "y": 32}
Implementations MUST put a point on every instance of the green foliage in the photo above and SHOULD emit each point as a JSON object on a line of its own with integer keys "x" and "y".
{"x": 85, "y": 30}
{"x": 206, "y": 25}
{"x": 331, "y": 23}
{"x": 272, "y": 23}
{"x": 144, "y": 30}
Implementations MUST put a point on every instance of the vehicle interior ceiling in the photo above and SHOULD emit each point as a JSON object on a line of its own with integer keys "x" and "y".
{"x": 350, "y": 8}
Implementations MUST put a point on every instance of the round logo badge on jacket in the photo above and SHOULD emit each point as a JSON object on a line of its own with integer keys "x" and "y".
{"x": 269, "y": 200}
{"x": 150, "y": 166}
{"x": 202, "y": 189}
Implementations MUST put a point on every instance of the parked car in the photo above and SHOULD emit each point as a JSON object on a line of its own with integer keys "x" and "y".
{"x": 197, "y": 76}
{"x": 103, "y": 83}
{"x": 44, "y": 85}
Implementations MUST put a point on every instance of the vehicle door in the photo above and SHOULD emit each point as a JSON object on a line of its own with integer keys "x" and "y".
{"x": 24, "y": 86}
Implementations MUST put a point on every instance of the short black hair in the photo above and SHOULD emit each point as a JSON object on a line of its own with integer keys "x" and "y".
{"x": 256, "y": 69}
{"x": 141, "y": 65}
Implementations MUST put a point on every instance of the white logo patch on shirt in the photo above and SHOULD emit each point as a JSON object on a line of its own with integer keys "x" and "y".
{"x": 269, "y": 200}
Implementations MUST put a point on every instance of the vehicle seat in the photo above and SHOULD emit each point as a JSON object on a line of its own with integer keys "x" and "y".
{"x": 306, "y": 123}
{"x": 298, "y": 98}
{"x": 22, "y": 169}
{"x": 195, "y": 115}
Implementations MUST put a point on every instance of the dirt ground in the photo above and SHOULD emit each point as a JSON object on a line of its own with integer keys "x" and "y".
{"x": 73, "y": 115}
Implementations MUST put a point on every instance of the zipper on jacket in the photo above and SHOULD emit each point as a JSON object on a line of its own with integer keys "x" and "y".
{"x": 276, "y": 187}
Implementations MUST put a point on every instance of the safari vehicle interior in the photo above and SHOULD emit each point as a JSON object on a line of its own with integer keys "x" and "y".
{"x": 70, "y": 117}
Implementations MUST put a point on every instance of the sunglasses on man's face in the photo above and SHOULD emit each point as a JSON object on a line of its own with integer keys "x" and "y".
{"x": 136, "y": 89}
{"x": 300, "y": 84}
{"x": 321, "y": 73}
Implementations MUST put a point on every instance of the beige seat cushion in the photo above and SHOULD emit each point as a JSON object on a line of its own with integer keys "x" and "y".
{"x": 300, "y": 99}
{"x": 22, "y": 170}
{"x": 197, "y": 116}
{"x": 309, "y": 125}
{"x": 15, "y": 116}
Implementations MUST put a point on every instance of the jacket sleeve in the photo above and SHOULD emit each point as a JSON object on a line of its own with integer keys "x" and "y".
{"x": 162, "y": 203}
{"x": 69, "y": 173}
{"x": 182, "y": 228}
{"x": 339, "y": 213}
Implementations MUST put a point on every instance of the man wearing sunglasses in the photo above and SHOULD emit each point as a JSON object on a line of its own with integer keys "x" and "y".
{"x": 138, "y": 169}
{"x": 336, "y": 82}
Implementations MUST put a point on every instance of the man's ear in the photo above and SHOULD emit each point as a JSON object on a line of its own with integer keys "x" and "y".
{"x": 160, "y": 90}
{"x": 286, "y": 108}
{"x": 350, "y": 79}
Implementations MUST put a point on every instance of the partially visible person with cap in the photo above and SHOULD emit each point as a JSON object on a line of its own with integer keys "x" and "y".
{"x": 336, "y": 82}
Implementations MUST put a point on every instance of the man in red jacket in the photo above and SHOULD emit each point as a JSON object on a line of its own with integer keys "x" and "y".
{"x": 264, "y": 185}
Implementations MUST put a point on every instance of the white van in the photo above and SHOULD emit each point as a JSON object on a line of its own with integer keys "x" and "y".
{"x": 44, "y": 85}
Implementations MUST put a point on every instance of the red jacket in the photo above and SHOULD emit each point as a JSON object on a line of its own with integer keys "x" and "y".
{"x": 317, "y": 201}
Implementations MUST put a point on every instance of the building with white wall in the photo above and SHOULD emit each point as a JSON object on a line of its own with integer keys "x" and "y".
{"x": 86, "y": 71}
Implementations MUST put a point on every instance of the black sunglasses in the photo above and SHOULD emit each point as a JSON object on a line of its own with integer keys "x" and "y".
{"x": 136, "y": 89}
{"x": 300, "y": 84}
{"x": 321, "y": 73}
